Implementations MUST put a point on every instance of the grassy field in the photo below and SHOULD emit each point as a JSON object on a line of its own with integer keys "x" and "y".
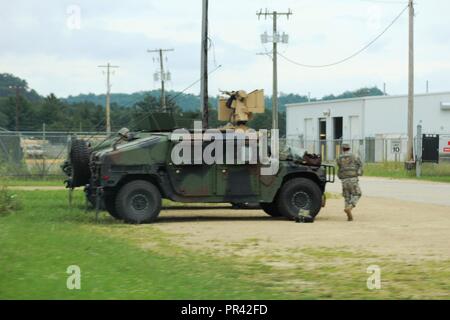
{"x": 44, "y": 237}
{"x": 57, "y": 181}
{"x": 395, "y": 170}
{"x": 430, "y": 171}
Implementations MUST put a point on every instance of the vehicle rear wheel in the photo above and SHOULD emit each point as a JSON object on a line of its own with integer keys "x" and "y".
{"x": 138, "y": 202}
{"x": 297, "y": 194}
{"x": 271, "y": 209}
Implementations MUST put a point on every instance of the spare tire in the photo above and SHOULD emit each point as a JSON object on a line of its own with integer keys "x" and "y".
{"x": 79, "y": 159}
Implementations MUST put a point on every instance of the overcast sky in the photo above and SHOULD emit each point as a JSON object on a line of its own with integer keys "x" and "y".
{"x": 45, "y": 43}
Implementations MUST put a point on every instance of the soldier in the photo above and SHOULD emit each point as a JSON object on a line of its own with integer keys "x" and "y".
{"x": 349, "y": 169}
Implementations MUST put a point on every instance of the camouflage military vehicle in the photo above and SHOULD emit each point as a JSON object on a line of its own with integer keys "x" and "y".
{"x": 130, "y": 175}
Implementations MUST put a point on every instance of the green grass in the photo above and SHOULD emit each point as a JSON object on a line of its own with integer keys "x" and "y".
{"x": 56, "y": 181}
{"x": 40, "y": 241}
{"x": 430, "y": 172}
{"x": 118, "y": 261}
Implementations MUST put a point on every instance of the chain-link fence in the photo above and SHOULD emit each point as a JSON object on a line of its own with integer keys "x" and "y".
{"x": 40, "y": 154}
{"x": 370, "y": 150}
{"x": 36, "y": 154}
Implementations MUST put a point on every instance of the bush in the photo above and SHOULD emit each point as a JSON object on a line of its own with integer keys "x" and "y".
{"x": 8, "y": 202}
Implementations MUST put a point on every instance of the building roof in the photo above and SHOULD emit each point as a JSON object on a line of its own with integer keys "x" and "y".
{"x": 363, "y": 98}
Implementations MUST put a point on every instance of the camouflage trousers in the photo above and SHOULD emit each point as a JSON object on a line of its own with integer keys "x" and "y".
{"x": 351, "y": 192}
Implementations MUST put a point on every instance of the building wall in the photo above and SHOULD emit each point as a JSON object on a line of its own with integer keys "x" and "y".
{"x": 303, "y": 125}
{"x": 375, "y": 117}
{"x": 296, "y": 117}
{"x": 389, "y": 115}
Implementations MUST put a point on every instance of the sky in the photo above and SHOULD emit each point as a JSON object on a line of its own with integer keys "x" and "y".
{"x": 57, "y": 45}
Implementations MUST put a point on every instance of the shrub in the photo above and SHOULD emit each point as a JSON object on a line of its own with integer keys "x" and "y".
{"x": 8, "y": 202}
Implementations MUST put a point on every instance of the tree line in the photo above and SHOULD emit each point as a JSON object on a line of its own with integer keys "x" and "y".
{"x": 23, "y": 109}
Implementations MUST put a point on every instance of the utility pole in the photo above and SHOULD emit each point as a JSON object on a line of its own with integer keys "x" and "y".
{"x": 108, "y": 95}
{"x": 162, "y": 75}
{"x": 204, "y": 66}
{"x": 275, "y": 39}
{"x": 410, "y": 152}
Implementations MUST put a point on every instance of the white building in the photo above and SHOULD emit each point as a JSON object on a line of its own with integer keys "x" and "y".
{"x": 373, "y": 125}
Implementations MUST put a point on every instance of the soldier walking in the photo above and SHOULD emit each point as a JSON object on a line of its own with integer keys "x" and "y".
{"x": 349, "y": 169}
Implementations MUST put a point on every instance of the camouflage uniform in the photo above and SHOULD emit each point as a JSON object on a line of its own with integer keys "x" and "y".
{"x": 351, "y": 192}
{"x": 349, "y": 169}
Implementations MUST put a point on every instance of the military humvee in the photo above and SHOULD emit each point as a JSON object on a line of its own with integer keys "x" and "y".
{"x": 129, "y": 175}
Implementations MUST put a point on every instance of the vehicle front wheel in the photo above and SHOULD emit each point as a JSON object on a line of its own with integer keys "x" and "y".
{"x": 138, "y": 202}
{"x": 245, "y": 206}
{"x": 110, "y": 206}
{"x": 271, "y": 209}
{"x": 297, "y": 194}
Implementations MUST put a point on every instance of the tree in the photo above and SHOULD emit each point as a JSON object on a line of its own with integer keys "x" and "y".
{"x": 51, "y": 112}
{"x": 8, "y": 80}
{"x": 363, "y": 92}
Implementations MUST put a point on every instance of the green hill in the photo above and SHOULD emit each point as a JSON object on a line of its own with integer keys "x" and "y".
{"x": 85, "y": 112}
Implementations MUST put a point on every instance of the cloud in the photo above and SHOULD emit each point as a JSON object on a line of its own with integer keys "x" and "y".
{"x": 38, "y": 45}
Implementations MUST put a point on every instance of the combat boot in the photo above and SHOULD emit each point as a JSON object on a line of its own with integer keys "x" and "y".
{"x": 348, "y": 211}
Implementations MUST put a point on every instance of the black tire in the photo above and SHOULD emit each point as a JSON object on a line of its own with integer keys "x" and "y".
{"x": 110, "y": 206}
{"x": 271, "y": 209}
{"x": 245, "y": 206}
{"x": 92, "y": 199}
{"x": 138, "y": 202}
{"x": 299, "y": 193}
{"x": 90, "y": 196}
{"x": 79, "y": 159}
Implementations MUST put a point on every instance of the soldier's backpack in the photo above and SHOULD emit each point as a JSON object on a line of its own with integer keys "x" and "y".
{"x": 312, "y": 159}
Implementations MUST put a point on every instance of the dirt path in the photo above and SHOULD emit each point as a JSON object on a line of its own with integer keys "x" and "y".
{"x": 400, "y": 218}
{"x": 385, "y": 227}
{"x": 407, "y": 190}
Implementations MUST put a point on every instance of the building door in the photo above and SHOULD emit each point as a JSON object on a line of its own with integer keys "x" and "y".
{"x": 323, "y": 137}
{"x": 430, "y": 148}
{"x": 337, "y": 135}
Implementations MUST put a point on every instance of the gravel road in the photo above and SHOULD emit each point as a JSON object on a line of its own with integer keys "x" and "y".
{"x": 406, "y": 190}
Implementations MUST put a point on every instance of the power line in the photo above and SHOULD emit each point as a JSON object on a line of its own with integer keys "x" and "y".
{"x": 351, "y": 56}
{"x": 192, "y": 84}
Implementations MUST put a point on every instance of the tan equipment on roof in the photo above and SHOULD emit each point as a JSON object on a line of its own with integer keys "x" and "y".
{"x": 238, "y": 108}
